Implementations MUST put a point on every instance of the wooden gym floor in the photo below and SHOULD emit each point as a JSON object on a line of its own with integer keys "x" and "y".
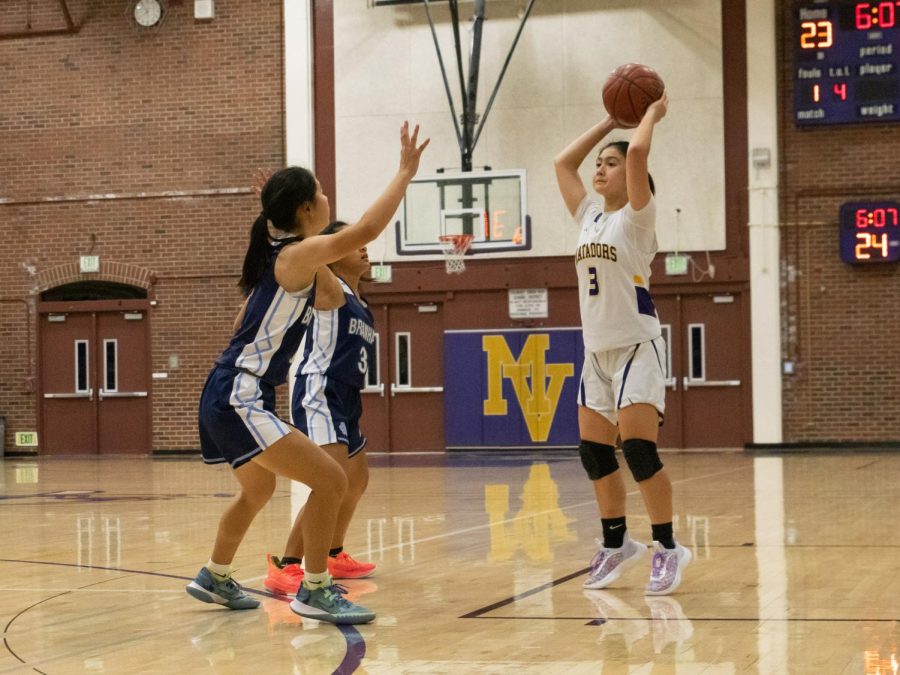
{"x": 480, "y": 562}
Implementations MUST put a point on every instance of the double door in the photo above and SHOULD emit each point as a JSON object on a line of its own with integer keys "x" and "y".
{"x": 403, "y": 404}
{"x": 95, "y": 377}
{"x": 708, "y": 378}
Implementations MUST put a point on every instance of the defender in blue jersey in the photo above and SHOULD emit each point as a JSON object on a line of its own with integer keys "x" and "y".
{"x": 237, "y": 419}
{"x": 326, "y": 403}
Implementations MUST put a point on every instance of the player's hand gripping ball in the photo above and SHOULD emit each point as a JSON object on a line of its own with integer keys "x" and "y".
{"x": 629, "y": 90}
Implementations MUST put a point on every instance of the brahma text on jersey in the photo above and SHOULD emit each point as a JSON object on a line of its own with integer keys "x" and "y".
{"x": 361, "y": 328}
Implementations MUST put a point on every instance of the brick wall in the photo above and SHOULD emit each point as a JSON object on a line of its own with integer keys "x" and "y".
{"x": 188, "y": 107}
{"x": 840, "y": 323}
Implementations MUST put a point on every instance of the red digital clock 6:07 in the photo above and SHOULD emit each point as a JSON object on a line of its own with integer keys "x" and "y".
{"x": 870, "y": 232}
{"x": 876, "y": 15}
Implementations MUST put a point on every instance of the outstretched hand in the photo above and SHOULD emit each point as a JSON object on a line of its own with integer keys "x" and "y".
{"x": 260, "y": 178}
{"x": 410, "y": 151}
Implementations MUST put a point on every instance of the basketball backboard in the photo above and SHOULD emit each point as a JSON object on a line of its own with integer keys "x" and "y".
{"x": 489, "y": 205}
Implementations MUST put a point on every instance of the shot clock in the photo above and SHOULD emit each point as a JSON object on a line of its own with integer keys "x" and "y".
{"x": 870, "y": 232}
{"x": 847, "y": 61}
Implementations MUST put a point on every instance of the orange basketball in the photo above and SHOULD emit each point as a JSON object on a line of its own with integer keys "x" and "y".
{"x": 629, "y": 90}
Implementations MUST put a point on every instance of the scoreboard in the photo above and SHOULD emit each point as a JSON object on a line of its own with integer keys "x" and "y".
{"x": 870, "y": 232}
{"x": 846, "y": 57}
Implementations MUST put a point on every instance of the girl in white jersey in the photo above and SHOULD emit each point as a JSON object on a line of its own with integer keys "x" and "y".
{"x": 622, "y": 390}
{"x": 238, "y": 423}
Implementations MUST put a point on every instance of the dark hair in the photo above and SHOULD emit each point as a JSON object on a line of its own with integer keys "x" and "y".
{"x": 622, "y": 147}
{"x": 281, "y": 196}
{"x": 334, "y": 226}
{"x": 337, "y": 226}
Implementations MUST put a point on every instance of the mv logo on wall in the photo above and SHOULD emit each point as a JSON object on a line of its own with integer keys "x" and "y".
{"x": 511, "y": 388}
{"x": 536, "y": 383}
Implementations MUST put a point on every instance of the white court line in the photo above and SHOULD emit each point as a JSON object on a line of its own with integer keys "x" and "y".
{"x": 592, "y": 502}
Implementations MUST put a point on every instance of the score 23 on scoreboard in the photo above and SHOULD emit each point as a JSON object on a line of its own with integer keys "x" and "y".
{"x": 846, "y": 62}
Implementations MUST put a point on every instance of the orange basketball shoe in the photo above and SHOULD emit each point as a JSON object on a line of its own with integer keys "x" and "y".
{"x": 342, "y": 566}
{"x": 282, "y": 580}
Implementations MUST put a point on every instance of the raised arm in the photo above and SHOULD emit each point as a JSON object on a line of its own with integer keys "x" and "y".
{"x": 636, "y": 171}
{"x": 295, "y": 267}
{"x": 567, "y": 162}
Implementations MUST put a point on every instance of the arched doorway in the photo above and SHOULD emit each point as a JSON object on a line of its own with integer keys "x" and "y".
{"x": 94, "y": 369}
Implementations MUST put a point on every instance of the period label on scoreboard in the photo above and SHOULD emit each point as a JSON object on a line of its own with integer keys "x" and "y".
{"x": 847, "y": 62}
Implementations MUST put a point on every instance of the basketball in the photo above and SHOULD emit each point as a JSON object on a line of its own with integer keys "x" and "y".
{"x": 629, "y": 90}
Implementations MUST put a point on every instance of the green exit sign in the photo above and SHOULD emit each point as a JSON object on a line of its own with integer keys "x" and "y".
{"x": 677, "y": 264}
{"x": 89, "y": 263}
{"x": 381, "y": 274}
{"x": 26, "y": 439}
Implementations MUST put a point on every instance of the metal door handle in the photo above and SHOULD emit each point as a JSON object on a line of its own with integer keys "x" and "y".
{"x": 89, "y": 395}
{"x": 688, "y": 383}
{"x": 397, "y": 389}
{"x": 376, "y": 389}
{"x": 121, "y": 394}
{"x": 672, "y": 383}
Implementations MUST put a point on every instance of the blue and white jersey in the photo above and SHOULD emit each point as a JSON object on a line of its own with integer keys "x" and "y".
{"x": 272, "y": 328}
{"x": 340, "y": 342}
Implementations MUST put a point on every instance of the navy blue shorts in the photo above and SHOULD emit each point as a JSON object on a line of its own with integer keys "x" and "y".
{"x": 237, "y": 417}
{"x": 328, "y": 411}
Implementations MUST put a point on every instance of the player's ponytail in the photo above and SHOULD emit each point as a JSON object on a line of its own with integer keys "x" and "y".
{"x": 257, "y": 256}
{"x": 281, "y": 196}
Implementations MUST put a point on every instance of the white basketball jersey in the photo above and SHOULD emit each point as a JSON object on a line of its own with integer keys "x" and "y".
{"x": 613, "y": 264}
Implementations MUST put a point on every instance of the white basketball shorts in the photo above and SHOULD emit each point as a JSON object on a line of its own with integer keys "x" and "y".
{"x": 617, "y": 378}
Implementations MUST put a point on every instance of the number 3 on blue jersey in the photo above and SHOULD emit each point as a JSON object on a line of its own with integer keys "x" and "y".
{"x": 363, "y": 360}
{"x": 593, "y": 285}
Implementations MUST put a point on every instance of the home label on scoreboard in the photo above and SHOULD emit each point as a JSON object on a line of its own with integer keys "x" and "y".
{"x": 847, "y": 62}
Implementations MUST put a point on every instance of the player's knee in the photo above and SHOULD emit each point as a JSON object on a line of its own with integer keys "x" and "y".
{"x": 257, "y": 497}
{"x": 358, "y": 480}
{"x": 340, "y": 484}
{"x": 642, "y": 458}
{"x": 598, "y": 459}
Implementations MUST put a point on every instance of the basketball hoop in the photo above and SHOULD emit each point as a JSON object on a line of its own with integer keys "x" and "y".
{"x": 454, "y": 247}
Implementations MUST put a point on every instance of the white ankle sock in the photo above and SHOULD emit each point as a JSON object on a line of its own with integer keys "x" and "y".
{"x": 313, "y": 581}
{"x": 221, "y": 571}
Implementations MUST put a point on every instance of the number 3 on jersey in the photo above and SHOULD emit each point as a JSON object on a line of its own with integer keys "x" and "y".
{"x": 593, "y": 284}
{"x": 363, "y": 360}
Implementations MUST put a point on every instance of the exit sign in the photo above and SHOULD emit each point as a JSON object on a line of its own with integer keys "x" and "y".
{"x": 26, "y": 439}
{"x": 89, "y": 263}
{"x": 381, "y": 274}
{"x": 677, "y": 264}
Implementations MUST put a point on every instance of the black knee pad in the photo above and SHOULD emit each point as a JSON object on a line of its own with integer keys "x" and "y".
{"x": 642, "y": 458}
{"x": 598, "y": 460}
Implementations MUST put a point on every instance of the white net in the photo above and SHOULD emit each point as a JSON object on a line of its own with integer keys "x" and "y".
{"x": 454, "y": 247}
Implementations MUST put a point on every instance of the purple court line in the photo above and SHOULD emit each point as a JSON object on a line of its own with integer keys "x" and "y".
{"x": 356, "y": 644}
{"x": 477, "y": 614}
